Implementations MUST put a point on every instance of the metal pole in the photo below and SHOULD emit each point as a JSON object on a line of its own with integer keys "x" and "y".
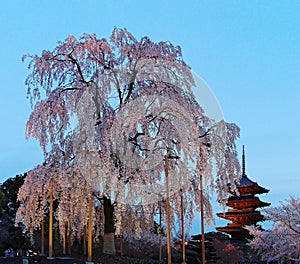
{"x": 202, "y": 220}
{"x": 168, "y": 211}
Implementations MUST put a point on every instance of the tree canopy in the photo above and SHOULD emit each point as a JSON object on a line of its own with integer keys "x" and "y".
{"x": 9, "y": 193}
{"x": 281, "y": 242}
{"x": 10, "y": 236}
{"x": 107, "y": 113}
{"x": 3, "y": 201}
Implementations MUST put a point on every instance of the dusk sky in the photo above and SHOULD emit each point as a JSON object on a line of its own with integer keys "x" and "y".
{"x": 248, "y": 52}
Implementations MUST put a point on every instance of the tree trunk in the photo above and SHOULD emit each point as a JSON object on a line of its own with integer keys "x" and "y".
{"x": 108, "y": 238}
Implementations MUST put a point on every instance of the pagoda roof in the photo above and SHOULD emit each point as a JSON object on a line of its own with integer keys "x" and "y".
{"x": 244, "y": 218}
{"x": 238, "y": 213}
{"x": 231, "y": 229}
{"x": 242, "y": 198}
{"x": 237, "y": 233}
{"x": 247, "y": 186}
{"x": 245, "y": 202}
{"x": 246, "y": 183}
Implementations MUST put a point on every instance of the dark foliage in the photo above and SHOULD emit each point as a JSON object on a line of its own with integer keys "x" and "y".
{"x": 11, "y": 236}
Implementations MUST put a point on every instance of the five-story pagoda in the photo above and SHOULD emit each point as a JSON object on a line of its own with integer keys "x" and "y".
{"x": 243, "y": 207}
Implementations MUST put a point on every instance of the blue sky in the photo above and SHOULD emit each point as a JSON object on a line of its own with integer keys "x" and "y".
{"x": 248, "y": 52}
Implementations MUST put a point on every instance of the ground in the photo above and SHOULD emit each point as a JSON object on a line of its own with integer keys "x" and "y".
{"x": 104, "y": 259}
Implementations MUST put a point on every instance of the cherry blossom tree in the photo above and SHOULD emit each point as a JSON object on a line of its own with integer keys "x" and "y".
{"x": 281, "y": 242}
{"x": 128, "y": 105}
{"x": 67, "y": 188}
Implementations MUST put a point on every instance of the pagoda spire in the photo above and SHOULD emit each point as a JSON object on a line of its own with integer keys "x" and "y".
{"x": 243, "y": 162}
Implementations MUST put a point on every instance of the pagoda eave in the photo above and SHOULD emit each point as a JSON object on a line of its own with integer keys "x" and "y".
{"x": 245, "y": 202}
{"x": 244, "y": 218}
{"x": 253, "y": 189}
{"x": 229, "y": 230}
{"x": 239, "y": 214}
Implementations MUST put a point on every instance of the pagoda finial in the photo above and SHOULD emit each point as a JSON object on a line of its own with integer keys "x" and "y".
{"x": 243, "y": 162}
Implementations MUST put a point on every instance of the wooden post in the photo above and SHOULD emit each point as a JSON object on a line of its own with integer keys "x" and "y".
{"x": 160, "y": 233}
{"x": 69, "y": 238}
{"x": 43, "y": 223}
{"x": 121, "y": 235}
{"x": 65, "y": 239}
{"x": 202, "y": 220}
{"x": 51, "y": 220}
{"x": 121, "y": 244}
{"x": 90, "y": 224}
{"x": 168, "y": 210}
{"x": 167, "y": 157}
{"x": 90, "y": 227}
{"x": 43, "y": 235}
{"x": 90, "y": 230}
{"x": 182, "y": 227}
